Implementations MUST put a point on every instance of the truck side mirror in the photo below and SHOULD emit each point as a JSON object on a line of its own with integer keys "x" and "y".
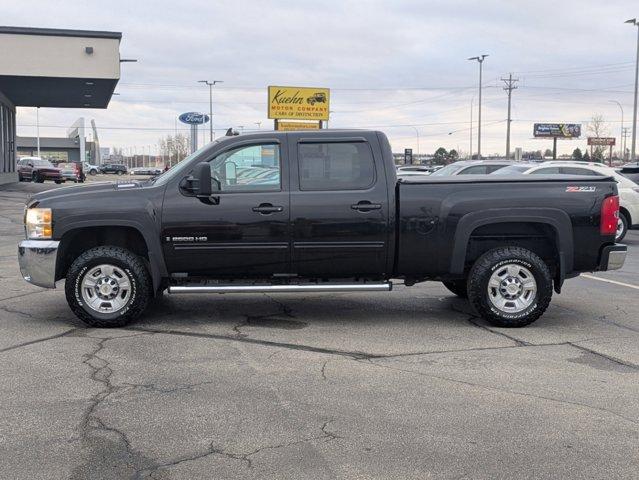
{"x": 202, "y": 180}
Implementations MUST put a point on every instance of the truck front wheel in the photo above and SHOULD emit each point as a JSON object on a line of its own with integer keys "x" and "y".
{"x": 108, "y": 287}
{"x": 510, "y": 287}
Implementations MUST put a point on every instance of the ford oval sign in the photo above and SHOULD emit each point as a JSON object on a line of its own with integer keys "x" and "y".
{"x": 193, "y": 118}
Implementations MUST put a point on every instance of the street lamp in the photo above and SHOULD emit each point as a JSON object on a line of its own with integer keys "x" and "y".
{"x": 417, "y": 135}
{"x": 259, "y": 125}
{"x": 623, "y": 151}
{"x": 480, "y": 60}
{"x": 634, "y": 22}
{"x": 210, "y": 84}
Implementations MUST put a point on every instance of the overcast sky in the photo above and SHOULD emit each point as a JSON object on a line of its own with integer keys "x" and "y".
{"x": 399, "y": 66}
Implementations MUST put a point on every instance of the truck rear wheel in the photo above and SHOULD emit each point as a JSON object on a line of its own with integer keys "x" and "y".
{"x": 458, "y": 287}
{"x": 108, "y": 287}
{"x": 510, "y": 287}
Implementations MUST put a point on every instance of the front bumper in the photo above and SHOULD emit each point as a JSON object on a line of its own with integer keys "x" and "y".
{"x": 612, "y": 257}
{"x": 37, "y": 259}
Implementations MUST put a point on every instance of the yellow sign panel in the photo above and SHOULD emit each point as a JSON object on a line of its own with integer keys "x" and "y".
{"x": 298, "y": 103}
{"x": 288, "y": 126}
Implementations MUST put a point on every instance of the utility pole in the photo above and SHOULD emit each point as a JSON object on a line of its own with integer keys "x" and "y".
{"x": 633, "y": 153}
{"x": 210, "y": 84}
{"x": 510, "y": 86}
{"x": 480, "y": 60}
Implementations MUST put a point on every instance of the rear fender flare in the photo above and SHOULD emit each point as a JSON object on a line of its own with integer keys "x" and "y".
{"x": 555, "y": 218}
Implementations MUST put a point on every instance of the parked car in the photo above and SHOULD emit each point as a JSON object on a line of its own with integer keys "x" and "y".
{"x": 472, "y": 167}
{"x": 90, "y": 169}
{"x": 406, "y": 170}
{"x": 145, "y": 171}
{"x": 116, "y": 168}
{"x": 35, "y": 169}
{"x": 630, "y": 171}
{"x": 337, "y": 220}
{"x": 71, "y": 172}
{"x": 628, "y": 190}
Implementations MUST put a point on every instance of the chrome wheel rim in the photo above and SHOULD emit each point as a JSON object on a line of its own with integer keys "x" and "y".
{"x": 512, "y": 288}
{"x": 619, "y": 227}
{"x": 106, "y": 289}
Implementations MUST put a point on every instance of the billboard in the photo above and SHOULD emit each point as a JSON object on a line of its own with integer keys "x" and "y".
{"x": 288, "y": 126}
{"x": 601, "y": 141}
{"x": 557, "y": 130}
{"x": 298, "y": 103}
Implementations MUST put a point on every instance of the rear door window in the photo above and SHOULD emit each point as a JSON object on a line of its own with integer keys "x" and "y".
{"x": 336, "y": 166}
{"x": 474, "y": 170}
{"x": 578, "y": 171}
{"x": 546, "y": 171}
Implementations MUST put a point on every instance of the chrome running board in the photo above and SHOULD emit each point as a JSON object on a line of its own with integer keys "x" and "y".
{"x": 311, "y": 287}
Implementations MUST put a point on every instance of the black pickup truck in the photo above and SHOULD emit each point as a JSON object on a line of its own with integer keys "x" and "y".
{"x": 316, "y": 212}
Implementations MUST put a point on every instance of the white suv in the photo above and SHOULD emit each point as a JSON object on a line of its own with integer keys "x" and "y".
{"x": 628, "y": 190}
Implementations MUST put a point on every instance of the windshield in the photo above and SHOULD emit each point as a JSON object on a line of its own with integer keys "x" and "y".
{"x": 180, "y": 168}
{"x": 447, "y": 170}
{"x": 42, "y": 163}
{"x": 511, "y": 170}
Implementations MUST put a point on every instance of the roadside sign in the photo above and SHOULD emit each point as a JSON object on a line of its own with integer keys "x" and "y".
{"x": 298, "y": 103}
{"x": 193, "y": 118}
{"x": 287, "y": 126}
{"x": 602, "y": 141}
{"x": 557, "y": 130}
{"x": 408, "y": 156}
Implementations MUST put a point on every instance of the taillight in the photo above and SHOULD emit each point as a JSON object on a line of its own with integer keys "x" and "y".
{"x": 609, "y": 215}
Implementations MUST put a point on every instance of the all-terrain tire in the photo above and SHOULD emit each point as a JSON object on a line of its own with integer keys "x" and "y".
{"x": 492, "y": 261}
{"x": 135, "y": 269}
{"x": 621, "y": 233}
{"x": 458, "y": 287}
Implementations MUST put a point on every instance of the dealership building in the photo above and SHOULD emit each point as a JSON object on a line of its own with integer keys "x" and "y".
{"x": 44, "y": 67}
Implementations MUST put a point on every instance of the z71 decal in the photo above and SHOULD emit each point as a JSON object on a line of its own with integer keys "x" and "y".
{"x": 581, "y": 189}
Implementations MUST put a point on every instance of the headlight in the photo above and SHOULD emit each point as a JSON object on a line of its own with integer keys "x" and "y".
{"x": 38, "y": 223}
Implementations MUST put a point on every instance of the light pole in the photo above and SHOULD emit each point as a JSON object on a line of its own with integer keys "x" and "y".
{"x": 417, "y": 135}
{"x": 210, "y": 84}
{"x": 634, "y": 22}
{"x": 621, "y": 136}
{"x": 259, "y": 125}
{"x": 480, "y": 60}
{"x": 470, "y": 154}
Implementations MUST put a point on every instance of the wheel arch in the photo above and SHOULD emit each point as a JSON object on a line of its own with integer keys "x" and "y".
{"x": 556, "y": 220}
{"x": 129, "y": 235}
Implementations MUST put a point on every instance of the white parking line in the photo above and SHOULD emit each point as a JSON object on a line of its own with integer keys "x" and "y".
{"x": 591, "y": 277}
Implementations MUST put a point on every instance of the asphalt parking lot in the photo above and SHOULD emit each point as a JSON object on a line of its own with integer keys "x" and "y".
{"x": 406, "y": 385}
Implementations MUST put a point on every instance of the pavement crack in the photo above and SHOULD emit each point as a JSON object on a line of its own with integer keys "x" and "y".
{"x": 39, "y": 340}
{"x": 520, "y": 343}
{"x": 256, "y": 341}
{"x": 325, "y": 435}
{"x": 603, "y": 355}
{"x": 323, "y": 370}
{"x": 506, "y": 391}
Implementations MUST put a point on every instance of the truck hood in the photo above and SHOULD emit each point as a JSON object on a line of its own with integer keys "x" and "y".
{"x": 88, "y": 191}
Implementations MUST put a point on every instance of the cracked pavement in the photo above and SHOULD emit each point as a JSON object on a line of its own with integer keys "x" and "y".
{"x": 408, "y": 384}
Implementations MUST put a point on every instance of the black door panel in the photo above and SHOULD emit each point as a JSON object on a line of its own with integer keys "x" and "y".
{"x": 339, "y": 209}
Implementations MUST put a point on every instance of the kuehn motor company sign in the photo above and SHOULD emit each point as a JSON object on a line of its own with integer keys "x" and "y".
{"x": 298, "y": 103}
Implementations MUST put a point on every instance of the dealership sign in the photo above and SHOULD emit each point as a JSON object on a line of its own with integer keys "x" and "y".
{"x": 601, "y": 141}
{"x": 193, "y": 118}
{"x": 288, "y": 126}
{"x": 557, "y": 130}
{"x": 298, "y": 103}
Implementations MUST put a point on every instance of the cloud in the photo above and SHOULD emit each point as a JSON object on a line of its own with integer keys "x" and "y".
{"x": 397, "y": 65}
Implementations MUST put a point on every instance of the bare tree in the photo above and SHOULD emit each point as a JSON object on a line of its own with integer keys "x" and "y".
{"x": 174, "y": 147}
{"x": 597, "y": 127}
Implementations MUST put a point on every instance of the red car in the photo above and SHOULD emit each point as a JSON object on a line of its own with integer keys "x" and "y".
{"x": 37, "y": 170}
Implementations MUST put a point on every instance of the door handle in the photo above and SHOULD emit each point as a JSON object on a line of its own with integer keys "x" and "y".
{"x": 267, "y": 208}
{"x": 366, "y": 206}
